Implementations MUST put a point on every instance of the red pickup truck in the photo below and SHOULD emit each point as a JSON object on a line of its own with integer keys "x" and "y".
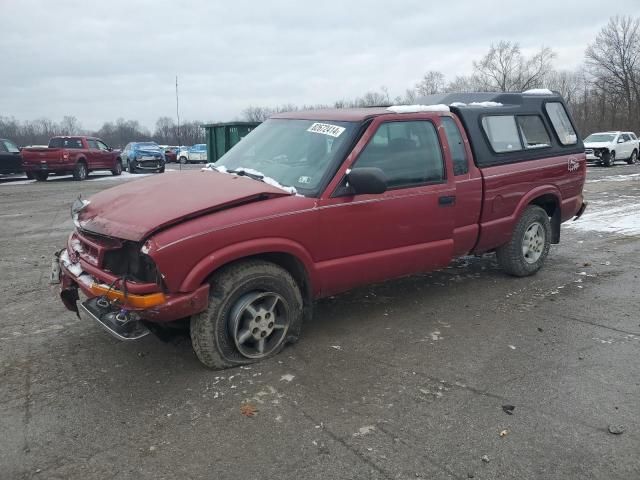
{"x": 71, "y": 155}
{"x": 315, "y": 203}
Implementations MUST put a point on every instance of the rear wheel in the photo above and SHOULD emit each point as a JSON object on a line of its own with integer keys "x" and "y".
{"x": 30, "y": 175}
{"x": 633, "y": 158}
{"x": 117, "y": 169}
{"x": 529, "y": 245}
{"x": 255, "y": 308}
{"x": 41, "y": 176}
{"x": 80, "y": 172}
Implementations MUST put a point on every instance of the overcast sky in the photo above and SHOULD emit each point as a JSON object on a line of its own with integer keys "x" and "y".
{"x": 102, "y": 60}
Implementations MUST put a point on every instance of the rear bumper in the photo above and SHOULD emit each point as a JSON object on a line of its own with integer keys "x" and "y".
{"x": 162, "y": 307}
{"x": 580, "y": 211}
{"x": 48, "y": 167}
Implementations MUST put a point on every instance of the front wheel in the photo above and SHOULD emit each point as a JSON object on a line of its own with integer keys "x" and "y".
{"x": 609, "y": 159}
{"x": 41, "y": 176}
{"x": 529, "y": 245}
{"x": 633, "y": 158}
{"x": 255, "y": 308}
{"x": 183, "y": 160}
{"x": 131, "y": 168}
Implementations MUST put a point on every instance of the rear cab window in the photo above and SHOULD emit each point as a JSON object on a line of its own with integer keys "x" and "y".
{"x": 60, "y": 142}
{"x": 407, "y": 152}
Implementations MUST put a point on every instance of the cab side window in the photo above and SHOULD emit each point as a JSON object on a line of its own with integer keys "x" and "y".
{"x": 102, "y": 146}
{"x": 93, "y": 145}
{"x": 456, "y": 146}
{"x": 408, "y": 153}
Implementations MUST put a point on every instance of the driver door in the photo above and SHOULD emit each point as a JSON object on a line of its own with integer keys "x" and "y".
{"x": 407, "y": 229}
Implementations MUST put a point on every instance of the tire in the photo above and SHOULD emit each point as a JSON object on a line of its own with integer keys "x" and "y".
{"x": 216, "y": 332}
{"x": 41, "y": 176}
{"x": 117, "y": 169}
{"x": 537, "y": 241}
{"x": 183, "y": 160}
{"x": 80, "y": 172}
{"x": 609, "y": 159}
{"x": 30, "y": 175}
{"x": 633, "y": 158}
{"x": 131, "y": 168}
{"x": 161, "y": 170}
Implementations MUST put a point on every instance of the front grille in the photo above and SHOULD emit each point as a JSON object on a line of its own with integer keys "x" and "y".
{"x": 129, "y": 261}
{"x": 588, "y": 151}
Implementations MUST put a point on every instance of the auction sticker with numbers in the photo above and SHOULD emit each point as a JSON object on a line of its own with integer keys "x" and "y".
{"x": 326, "y": 129}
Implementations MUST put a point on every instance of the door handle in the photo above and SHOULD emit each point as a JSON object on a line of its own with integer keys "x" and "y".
{"x": 447, "y": 200}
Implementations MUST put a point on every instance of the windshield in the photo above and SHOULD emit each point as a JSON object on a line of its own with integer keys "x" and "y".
{"x": 295, "y": 153}
{"x": 600, "y": 137}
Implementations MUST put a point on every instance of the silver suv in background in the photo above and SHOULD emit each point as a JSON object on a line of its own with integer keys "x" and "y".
{"x": 607, "y": 147}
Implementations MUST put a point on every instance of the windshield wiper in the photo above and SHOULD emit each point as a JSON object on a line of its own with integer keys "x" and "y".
{"x": 247, "y": 174}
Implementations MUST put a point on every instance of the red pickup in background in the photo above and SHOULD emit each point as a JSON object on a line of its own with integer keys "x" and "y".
{"x": 76, "y": 155}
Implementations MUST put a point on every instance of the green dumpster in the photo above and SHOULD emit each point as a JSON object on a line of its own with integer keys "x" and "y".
{"x": 222, "y": 136}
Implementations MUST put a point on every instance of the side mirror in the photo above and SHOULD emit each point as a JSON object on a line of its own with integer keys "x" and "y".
{"x": 367, "y": 180}
{"x": 621, "y": 140}
{"x": 110, "y": 149}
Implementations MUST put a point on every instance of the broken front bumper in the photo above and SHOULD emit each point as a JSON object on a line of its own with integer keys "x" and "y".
{"x": 121, "y": 311}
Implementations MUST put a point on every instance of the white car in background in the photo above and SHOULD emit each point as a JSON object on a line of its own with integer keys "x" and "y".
{"x": 607, "y": 147}
{"x": 196, "y": 153}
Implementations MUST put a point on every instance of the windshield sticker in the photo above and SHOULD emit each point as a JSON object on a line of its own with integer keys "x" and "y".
{"x": 326, "y": 129}
{"x": 304, "y": 180}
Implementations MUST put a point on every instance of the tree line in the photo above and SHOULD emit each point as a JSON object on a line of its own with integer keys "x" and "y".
{"x": 117, "y": 134}
{"x": 602, "y": 94}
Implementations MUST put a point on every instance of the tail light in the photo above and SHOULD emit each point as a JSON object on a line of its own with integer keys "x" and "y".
{"x": 65, "y": 156}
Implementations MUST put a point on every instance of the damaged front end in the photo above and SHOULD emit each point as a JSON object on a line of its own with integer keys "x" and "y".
{"x": 115, "y": 283}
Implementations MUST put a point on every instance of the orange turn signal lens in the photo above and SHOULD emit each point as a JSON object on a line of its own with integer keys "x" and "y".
{"x": 131, "y": 300}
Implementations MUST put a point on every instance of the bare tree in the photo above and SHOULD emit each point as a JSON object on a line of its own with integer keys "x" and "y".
{"x": 70, "y": 126}
{"x": 433, "y": 82}
{"x": 165, "y": 132}
{"x": 614, "y": 60}
{"x": 506, "y": 69}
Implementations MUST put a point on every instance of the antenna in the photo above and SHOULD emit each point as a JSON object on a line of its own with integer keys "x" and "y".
{"x": 178, "y": 116}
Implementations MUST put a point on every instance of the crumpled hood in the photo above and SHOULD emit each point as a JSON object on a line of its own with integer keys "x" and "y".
{"x": 598, "y": 144}
{"x": 135, "y": 210}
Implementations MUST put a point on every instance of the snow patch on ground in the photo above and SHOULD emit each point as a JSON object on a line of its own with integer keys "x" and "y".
{"x": 418, "y": 108}
{"x": 623, "y": 218}
{"x": 105, "y": 176}
{"x": 617, "y": 178}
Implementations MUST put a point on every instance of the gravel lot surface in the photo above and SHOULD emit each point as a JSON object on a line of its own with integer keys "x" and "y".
{"x": 403, "y": 380}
